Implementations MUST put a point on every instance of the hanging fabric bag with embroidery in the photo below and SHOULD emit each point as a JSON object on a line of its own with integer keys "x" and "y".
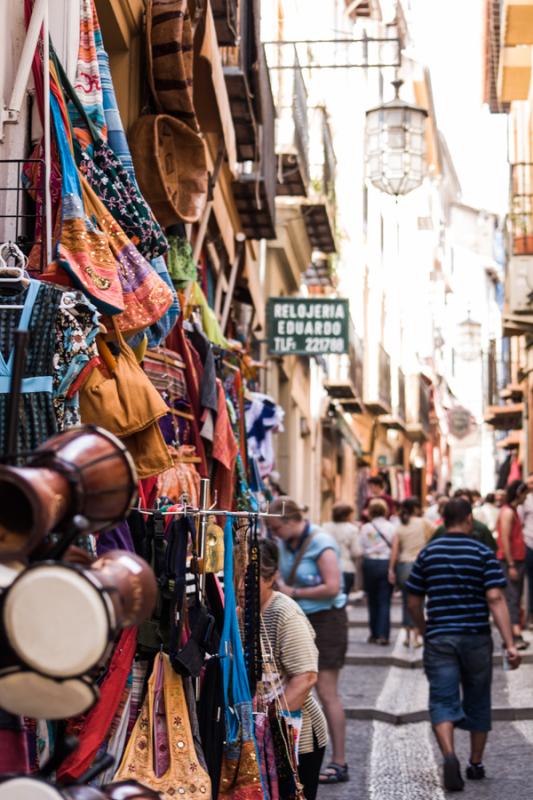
{"x": 240, "y": 778}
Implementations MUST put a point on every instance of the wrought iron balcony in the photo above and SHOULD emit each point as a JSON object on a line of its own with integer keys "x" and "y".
{"x": 319, "y": 211}
{"x": 521, "y": 208}
{"x": 255, "y": 190}
{"x": 239, "y": 62}
{"x": 292, "y": 125}
{"x": 225, "y": 14}
{"x": 396, "y": 420}
{"x": 379, "y": 401}
{"x": 418, "y": 407}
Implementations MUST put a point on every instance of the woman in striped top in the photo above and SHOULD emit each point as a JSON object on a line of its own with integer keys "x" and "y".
{"x": 288, "y": 642}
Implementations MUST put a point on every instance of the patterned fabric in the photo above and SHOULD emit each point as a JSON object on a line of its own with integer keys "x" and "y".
{"x": 167, "y": 377}
{"x": 75, "y": 347}
{"x": 37, "y": 420}
{"x": 240, "y": 777}
{"x": 184, "y": 777}
{"x": 87, "y": 83}
{"x": 181, "y": 266}
{"x": 267, "y": 758}
{"x": 119, "y": 145}
{"x": 181, "y": 479}
{"x": 82, "y": 250}
{"x": 146, "y": 297}
{"x": 111, "y": 182}
{"x": 159, "y": 331}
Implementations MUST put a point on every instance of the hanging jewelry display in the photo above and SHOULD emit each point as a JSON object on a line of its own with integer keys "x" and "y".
{"x": 252, "y": 613}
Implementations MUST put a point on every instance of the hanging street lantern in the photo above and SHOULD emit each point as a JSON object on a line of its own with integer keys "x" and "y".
{"x": 395, "y": 145}
{"x": 469, "y": 339}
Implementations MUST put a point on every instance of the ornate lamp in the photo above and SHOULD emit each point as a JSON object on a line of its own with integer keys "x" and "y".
{"x": 469, "y": 339}
{"x": 395, "y": 145}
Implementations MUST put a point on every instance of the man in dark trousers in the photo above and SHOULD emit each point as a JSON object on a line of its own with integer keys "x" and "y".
{"x": 462, "y": 581}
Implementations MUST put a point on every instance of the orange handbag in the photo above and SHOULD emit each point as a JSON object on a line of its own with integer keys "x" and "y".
{"x": 126, "y": 403}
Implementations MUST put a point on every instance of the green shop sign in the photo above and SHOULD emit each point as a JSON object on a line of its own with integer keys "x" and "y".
{"x": 307, "y": 327}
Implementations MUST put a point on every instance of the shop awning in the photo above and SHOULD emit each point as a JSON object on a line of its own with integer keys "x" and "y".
{"x": 505, "y": 418}
{"x": 211, "y": 99}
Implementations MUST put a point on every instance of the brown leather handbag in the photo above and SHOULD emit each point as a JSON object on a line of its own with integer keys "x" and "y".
{"x": 126, "y": 403}
{"x": 171, "y": 168}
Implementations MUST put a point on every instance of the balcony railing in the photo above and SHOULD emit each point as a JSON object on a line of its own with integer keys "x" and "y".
{"x": 292, "y": 125}
{"x": 239, "y": 63}
{"x": 521, "y": 208}
{"x": 401, "y": 409}
{"x": 225, "y": 13}
{"x": 255, "y": 191}
{"x": 424, "y": 406}
{"x": 384, "y": 379}
{"x": 319, "y": 213}
{"x": 357, "y": 360}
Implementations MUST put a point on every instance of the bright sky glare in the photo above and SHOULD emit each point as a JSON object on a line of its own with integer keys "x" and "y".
{"x": 448, "y": 37}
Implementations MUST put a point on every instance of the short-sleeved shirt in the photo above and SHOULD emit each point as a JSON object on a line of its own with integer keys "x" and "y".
{"x": 288, "y": 634}
{"x": 412, "y": 537}
{"x": 308, "y": 572}
{"x": 455, "y": 572}
{"x": 376, "y": 538}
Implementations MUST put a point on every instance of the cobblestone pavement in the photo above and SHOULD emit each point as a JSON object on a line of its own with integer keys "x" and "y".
{"x": 390, "y": 748}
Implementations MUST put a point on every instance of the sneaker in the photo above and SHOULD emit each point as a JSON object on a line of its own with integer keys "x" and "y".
{"x": 372, "y": 640}
{"x": 382, "y": 641}
{"x": 453, "y": 782}
{"x": 475, "y": 772}
{"x": 520, "y": 643}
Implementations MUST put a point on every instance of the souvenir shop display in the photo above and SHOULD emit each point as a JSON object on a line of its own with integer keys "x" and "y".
{"x": 83, "y": 471}
{"x": 133, "y": 451}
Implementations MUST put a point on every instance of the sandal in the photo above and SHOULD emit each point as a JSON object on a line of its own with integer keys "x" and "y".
{"x": 334, "y": 773}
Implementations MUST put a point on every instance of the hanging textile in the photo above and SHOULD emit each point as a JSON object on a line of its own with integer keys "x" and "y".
{"x": 106, "y": 175}
{"x": 93, "y": 729}
{"x": 184, "y": 777}
{"x": 55, "y": 353}
{"x": 87, "y": 82}
{"x": 240, "y": 777}
{"x": 128, "y": 405}
{"x": 82, "y": 250}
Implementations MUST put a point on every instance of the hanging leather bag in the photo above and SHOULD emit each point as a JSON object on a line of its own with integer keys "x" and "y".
{"x": 171, "y": 168}
{"x": 126, "y": 403}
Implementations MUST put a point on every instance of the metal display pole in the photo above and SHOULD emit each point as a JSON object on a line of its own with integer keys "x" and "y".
{"x": 204, "y": 506}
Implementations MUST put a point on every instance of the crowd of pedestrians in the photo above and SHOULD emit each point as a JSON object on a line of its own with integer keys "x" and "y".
{"x": 456, "y": 563}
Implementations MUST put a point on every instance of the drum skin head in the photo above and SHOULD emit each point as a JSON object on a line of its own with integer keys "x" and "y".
{"x": 30, "y": 695}
{"x": 57, "y": 621}
{"x": 28, "y": 789}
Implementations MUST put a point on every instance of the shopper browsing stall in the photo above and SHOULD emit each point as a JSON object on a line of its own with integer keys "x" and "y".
{"x": 311, "y": 574}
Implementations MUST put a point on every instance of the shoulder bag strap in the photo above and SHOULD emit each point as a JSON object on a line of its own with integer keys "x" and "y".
{"x": 389, "y": 545}
{"x": 297, "y": 561}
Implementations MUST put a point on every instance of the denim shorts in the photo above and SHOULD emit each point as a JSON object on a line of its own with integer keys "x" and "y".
{"x": 459, "y": 670}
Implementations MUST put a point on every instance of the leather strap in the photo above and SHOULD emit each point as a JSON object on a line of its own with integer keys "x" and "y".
{"x": 299, "y": 555}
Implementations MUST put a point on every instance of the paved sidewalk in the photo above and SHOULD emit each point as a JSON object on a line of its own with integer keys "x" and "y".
{"x": 391, "y": 750}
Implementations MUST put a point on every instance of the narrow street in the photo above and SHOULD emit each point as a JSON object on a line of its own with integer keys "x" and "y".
{"x": 391, "y": 750}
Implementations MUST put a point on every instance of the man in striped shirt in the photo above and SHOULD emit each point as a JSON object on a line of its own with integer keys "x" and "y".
{"x": 461, "y": 581}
